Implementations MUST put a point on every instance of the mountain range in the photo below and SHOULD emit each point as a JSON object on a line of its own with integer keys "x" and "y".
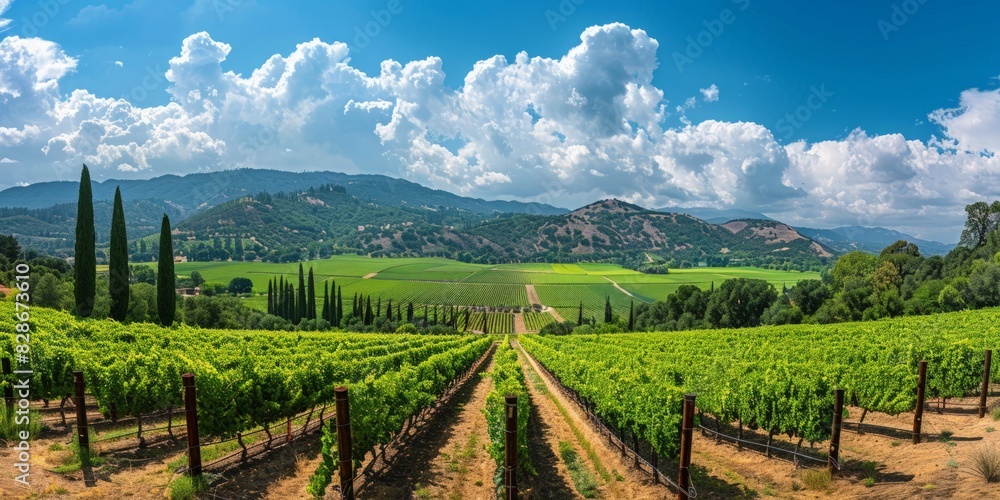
{"x": 328, "y": 219}
{"x": 842, "y": 239}
{"x": 42, "y": 215}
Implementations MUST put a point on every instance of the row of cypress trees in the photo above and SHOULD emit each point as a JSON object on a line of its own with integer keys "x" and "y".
{"x": 299, "y": 304}
{"x": 85, "y": 260}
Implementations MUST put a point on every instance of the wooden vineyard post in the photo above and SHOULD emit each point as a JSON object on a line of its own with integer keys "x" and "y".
{"x": 81, "y": 413}
{"x": 8, "y": 391}
{"x": 510, "y": 447}
{"x": 191, "y": 411}
{"x": 833, "y": 461}
{"x": 687, "y": 428}
{"x": 344, "y": 444}
{"x": 986, "y": 383}
{"x": 919, "y": 414}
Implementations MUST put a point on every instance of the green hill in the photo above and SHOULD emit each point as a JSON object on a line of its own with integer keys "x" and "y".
{"x": 322, "y": 221}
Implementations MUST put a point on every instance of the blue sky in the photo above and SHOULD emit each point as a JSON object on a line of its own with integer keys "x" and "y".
{"x": 819, "y": 113}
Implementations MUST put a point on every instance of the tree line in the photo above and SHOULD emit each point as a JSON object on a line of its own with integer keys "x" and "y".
{"x": 858, "y": 287}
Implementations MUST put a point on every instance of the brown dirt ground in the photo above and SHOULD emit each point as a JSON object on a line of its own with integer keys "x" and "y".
{"x": 448, "y": 459}
{"x": 532, "y": 294}
{"x": 634, "y": 485}
{"x": 519, "y": 323}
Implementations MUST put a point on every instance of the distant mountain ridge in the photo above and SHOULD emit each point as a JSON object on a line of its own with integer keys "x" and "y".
{"x": 193, "y": 193}
{"x": 716, "y": 215}
{"x": 842, "y": 239}
{"x": 47, "y": 219}
{"x": 328, "y": 219}
{"x": 871, "y": 239}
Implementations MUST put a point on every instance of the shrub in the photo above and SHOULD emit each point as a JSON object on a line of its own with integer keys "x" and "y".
{"x": 986, "y": 462}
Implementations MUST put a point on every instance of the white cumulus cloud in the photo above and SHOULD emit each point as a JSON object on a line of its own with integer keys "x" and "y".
{"x": 565, "y": 131}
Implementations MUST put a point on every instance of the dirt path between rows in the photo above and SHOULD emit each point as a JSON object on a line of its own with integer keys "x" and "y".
{"x": 449, "y": 458}
{"x": 532, "y": 294}
{"x": 519, "y": 326}
{"x": 533, "y": 298}
{"x": 620, "y": 289}
{"x": 369, "y": 276}
{"x": 624, "y": 483}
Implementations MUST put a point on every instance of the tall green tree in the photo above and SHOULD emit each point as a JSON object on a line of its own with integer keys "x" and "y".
{"x": 239, "y": 248}
{"x": 270, "y": 296}
{"x": 300, "y": 300}
{"x": 85, "y": 256}
{"x": 118, "y": 278}
{"x": 326, "y": 304}
{"x": 409, "y": 312}
{"x": 579, "y": 318}
{"x": 166, "y": 294}
{"x": 608, "y": 314}
{"x": 279, "y": 297}
{"x": 982, "y": 218}
{"x": 369, "y": 317}
{"x": 340, "y": 305}
{"x": 311, "y": 312}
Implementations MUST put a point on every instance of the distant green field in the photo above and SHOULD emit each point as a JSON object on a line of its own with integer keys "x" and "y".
{"x": 445, "y": 281}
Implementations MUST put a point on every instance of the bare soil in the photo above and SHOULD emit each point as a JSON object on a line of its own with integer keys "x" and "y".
{"x": 448, "y": 458}
{"x": 620, "y": 289}
{"x": 519, "y": 323}
{"x": 624, "y": 483}
{"x": 532, "y": 294}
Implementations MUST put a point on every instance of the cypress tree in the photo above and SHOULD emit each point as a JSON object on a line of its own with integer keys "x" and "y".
{"x": 85, "y": 263}
{"x": 425, "y": 315}
{"x": 166, "y": 293}
{"x": 118, "y": 262}
{"x": 239, "y": 248}
{"x": 279, "y": 293}
{"x": 399, "y": 312}
{"x": 409, "y": 312}
{"x": 326, "y": 303}
{"x": 340, "y": 305}
{"x": 311, "y": 313}
{"x": 368, "y": 311}
{"x": 289, "y": 302}
{"x": 388, "y": 311}
{"x": 435, "y": 314}
{"x": 300, "y": 312}
{"x": 631, "y": 315}
{"x": 270, "y": 296}
{"x": 354, "y": 306}
{"x": 607, "y": 310}
{"x": 579, "y": 318}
